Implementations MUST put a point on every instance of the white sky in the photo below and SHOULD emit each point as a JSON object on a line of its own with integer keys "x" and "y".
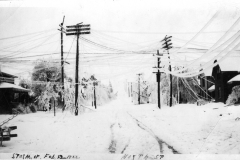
{"x": 125, "y": 25}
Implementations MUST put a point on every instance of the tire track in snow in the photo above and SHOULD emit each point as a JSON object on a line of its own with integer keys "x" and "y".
{"x": 115, "y": 137}
{"x": 125, "y": 147}
{"x": 113, "y": 144}
{"x": 160, "y": 141}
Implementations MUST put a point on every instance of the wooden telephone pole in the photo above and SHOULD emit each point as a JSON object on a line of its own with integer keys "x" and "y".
{"x": 77, "y": 30}
{"x": 158, "y": 81}
{"x": 158, "y": 76}
{"x": 94, "y": 94}
{"x": 167, "y": 46}
{"x": 62, "y": 61}
{"x": 139, "y": 87}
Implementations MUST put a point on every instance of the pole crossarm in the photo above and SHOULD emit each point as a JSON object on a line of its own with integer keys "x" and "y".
{"x": 79, "y": 26}
{"x": 77, "y": 33}
{"x": 78, "y": 30}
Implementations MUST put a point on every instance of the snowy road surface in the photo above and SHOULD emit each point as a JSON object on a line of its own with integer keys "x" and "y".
{"x": 129, "y": 135}
{"x": 123, "y": 128}
{"x": 110, "y": 129}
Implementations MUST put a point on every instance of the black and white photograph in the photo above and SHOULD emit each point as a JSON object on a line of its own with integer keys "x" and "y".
{"x": 120, "y": 79}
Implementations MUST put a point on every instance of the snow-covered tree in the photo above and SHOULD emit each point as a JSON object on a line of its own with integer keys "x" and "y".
{"x": 45, "y": 71}
{"x": 51, "y": 93}
{"x": 234, "y": 96}
{"x": 25, "y": 83}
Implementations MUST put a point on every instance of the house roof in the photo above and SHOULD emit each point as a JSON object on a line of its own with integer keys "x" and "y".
{"x": 3, "y": 74}
{"x": 211, "y": 88}
{"x": 208, "y": 72}
{"x": 5, "y": 85}
{"x": 236, "y": 78}
{"x": 230, "y": 64}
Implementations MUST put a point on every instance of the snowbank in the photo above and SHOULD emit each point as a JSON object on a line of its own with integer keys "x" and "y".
{"x": 43, "y": 133}
{"x": 193, "y": 129}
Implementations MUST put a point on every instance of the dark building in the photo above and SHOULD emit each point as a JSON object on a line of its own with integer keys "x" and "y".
{"x": 11, "y": 95}
{"x": 222, "y": 73}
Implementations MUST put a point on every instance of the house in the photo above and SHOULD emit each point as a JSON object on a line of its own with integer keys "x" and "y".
{"x": 11, "y": 95}
{"x": 222, "y": 73}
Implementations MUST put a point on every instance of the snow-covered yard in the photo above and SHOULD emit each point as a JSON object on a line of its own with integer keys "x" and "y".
{"x": 191, "y": 129}
{"x": 123, "y": 128}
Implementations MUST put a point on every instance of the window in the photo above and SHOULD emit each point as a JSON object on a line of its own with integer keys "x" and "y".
{"x": 15, "y": 97}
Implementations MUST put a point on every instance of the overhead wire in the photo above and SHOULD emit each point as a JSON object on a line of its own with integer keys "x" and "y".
{"x": 18, "y": 53}
{"x": 200, "y": 31}
{"x": 188, "y": 91}
{"x": 101, "y": 46}
{"x": 202, "y": 89}
{"x": 214, "y": 64}
{"x": 117, "y": 42}
{"x": 133, "y": 32}
{"x": 214, "y": 46}
{"x": 189, "y": 88}
{"x": 24, "y": 35}
{"x": 23, "y": 42}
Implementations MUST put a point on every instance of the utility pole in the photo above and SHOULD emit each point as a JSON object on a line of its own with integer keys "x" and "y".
{"x": 54, "y": 107}
{"x": 131, "y": 89}
{"x": 129, "y": 95}
{"x": 77, "y": 30}
{"x": 158, "y": 76}
{"x": 158, "y": 81}
{"x": 76, "y": 77}
{"x": 178, "y": 91}
{"x": 53, "y": 104}
{"x": 92, "y": 98}
{"x": 62, "y": 62}
{"x": 94, "y": 94}
{"x": 139, "y": 87}
{"x": 167, "y": 46}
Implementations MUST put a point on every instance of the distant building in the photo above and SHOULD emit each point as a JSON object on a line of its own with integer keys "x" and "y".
{"x": 222, "y": 73}
{"x": 11, "y": 95}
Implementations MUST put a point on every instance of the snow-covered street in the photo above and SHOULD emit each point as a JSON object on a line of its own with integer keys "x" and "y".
{"x": 123, "y": 128}
{"x": 109, "y": 129}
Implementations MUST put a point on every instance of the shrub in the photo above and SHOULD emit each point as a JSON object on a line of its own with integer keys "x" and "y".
{"x": 234, "y": 96}
{"x": 33, "y": 108}
{"x": 20, "y": 109}
{"x": 27, "y": 110}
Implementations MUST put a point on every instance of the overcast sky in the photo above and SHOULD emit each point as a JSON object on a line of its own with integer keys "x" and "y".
{"x": 119, "y": 24}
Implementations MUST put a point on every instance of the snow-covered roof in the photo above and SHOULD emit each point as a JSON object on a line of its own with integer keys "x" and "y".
{"x": 230, "y": 64}
{"x": 208, "y": 72}
{"x": 5, "y": 85}
{"x": 236, "y": 78}
{"x": 211, "y": 88}
{"x": 3, "y": 74}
